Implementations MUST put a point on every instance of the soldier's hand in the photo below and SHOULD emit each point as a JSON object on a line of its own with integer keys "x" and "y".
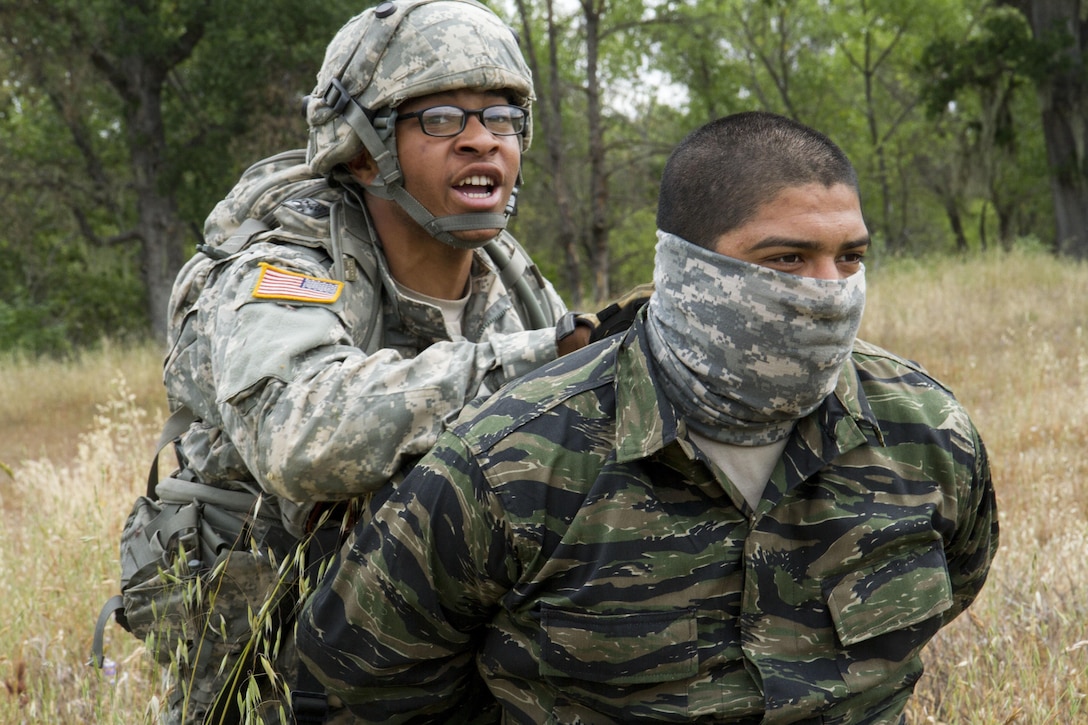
{"x": 618, "y": 315}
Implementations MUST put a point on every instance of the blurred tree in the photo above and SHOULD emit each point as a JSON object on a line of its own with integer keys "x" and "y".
{"x": 151, "y": 102}
{"x": 976, "y": 91}
{"x": 589, "y": 125}
{"x": 845, "y": 68}
{"x": 1061, "y": 30}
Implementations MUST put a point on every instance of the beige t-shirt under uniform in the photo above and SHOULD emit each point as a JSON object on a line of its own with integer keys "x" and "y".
{"x": 748, "y": 467}
{"x": 453, "y": 311}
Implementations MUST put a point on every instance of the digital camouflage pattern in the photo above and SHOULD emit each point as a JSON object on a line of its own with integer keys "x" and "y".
{"x": 746, "y": 350}
{"x": 314, "y": 401}
{"x": 304, "y": 396}
{"x": 566, "y": 546}
{"x": 285, "y": 390}
{"x": 385, "y": 59}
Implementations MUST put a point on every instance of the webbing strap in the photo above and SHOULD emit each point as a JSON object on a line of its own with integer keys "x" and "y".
{"x": 513, "y": 271}
{"x": 513, "y": 276}
{"x": 175, "y": 425}
{"x": 311, "y": 707}
{"x": 344, "y": 242}
{"x": 175, "y": 490}
{"x": 113, "y": 605}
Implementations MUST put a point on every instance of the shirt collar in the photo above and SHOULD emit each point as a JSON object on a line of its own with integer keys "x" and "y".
{"x": 646, "y": 423}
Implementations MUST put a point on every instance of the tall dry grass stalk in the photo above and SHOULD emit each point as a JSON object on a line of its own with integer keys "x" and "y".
{"x": 1008, "y": 333}
{"x": 59, "y": 563}
{"x": 45, "y": 403}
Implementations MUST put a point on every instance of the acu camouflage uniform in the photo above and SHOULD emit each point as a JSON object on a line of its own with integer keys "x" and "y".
{"x": 319, "y": 401}
{"x": 326, "y": 391}
{"x": 327, "y": 399}
{"x": 568, "y": 548}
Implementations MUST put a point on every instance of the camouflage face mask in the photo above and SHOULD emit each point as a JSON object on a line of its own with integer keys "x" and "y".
{"x": 744, "y": 351}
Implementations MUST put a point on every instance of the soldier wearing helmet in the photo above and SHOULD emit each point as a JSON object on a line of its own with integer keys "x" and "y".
{"x": 360, "y": 100}
{"x": 347, "y": 303}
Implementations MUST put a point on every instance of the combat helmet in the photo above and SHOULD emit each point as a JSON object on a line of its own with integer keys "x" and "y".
{"x": 405, "y": 49}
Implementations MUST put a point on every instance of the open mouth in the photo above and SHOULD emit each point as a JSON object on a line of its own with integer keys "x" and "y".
{"x": 476, "y": 187}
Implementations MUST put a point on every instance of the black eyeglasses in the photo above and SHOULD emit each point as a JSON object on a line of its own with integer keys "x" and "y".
{"x": 450, "y": 120}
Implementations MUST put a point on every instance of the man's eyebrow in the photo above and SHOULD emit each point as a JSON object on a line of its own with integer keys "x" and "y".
{"x": 806, "y": 244}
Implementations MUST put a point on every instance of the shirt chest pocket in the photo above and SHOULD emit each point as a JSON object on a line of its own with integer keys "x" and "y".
{"x": 885, "y": 613}
{"x": 620, "y": 649}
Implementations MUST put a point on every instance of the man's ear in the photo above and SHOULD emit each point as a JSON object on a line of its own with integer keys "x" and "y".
{"x": 363, "y": 168}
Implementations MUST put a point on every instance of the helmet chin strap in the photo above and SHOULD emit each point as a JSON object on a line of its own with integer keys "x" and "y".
{"x": 389, "y": 183}
{"x": 441, "y": 227}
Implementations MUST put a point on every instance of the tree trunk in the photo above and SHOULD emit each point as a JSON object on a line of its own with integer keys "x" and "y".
{"x": 1064, "y": 101}
{"x": 161, "y": 241}
{"x": 158, "y": 225}
{"x": 885, "y": 222}
{"x": 1063, "y": 126}
{"x": 598, "y": 175}
{"x": 955, "y": 221}
{"x": 548, "y": 129}
{"x": 138, "y": 72}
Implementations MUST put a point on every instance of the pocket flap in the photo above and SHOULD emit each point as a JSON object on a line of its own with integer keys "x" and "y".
{"x": 892, "y": 595}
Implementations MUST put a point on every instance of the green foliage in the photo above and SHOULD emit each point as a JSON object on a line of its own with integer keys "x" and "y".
{"x": 68, "y": 304}
{"x": 935, "y": 102}
{"x": 239, "y": 97}
{"x": 979, "y": 99}
{"x": 70, "y": 270}
{"x": 999, "y": 51}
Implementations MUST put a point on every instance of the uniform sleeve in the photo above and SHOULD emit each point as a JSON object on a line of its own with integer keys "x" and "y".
{"x": 393, "y": 628}
{"x": 316, "y": 418}
{"x": 975, "y": 542}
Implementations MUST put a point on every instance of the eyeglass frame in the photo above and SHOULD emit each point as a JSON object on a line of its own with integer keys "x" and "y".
{"x": 465, "y": 113}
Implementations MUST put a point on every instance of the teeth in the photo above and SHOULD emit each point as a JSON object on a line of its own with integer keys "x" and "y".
{"x": 477, "y": 181}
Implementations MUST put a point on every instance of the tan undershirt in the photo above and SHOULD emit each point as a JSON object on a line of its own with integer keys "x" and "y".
{"x": 748, "y": 467}
{"x": 453, "y": 311}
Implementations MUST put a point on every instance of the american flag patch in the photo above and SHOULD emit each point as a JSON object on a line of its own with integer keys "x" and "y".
{"x": 282, "y": 284}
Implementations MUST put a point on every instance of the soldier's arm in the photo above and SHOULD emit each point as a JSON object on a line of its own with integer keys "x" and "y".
{"x": 316, "y": 418}
{"x": 976, "y": 538}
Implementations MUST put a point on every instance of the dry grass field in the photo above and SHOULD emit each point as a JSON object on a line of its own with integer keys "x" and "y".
{"x": 1008, "y": 333}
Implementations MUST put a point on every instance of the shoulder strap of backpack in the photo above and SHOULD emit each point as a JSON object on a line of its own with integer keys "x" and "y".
{"x": 513, "y": 271}
{"x": 175, "y": 425}
{"x": 115, "y": 605}
{"x": 347, "y": 245}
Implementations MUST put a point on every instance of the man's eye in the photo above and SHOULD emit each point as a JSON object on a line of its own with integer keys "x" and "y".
{"x": 439, "y": 119}
{"x": 787, "y": 259}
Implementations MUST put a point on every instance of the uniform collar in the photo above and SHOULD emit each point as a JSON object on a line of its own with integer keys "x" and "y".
{"x": 646, "y": 422}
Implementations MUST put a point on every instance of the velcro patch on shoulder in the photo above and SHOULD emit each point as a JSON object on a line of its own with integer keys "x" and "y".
{"x": 282, "y": 284}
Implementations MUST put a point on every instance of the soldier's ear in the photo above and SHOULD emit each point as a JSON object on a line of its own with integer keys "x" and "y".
{"x": 363, "y": 168}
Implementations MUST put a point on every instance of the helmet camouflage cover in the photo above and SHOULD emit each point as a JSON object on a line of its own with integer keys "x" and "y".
{"x": 407, "y": 49}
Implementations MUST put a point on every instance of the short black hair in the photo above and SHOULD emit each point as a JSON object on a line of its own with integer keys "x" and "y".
{"x": 720, "y": 174}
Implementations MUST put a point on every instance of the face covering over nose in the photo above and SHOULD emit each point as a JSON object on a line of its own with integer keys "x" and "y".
{"x": 743, "y": 351}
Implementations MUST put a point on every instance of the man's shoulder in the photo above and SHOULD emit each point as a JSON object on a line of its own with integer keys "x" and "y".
{"x": 553, "y": 400}
{"x": 875, "y": 362}
{"x": 243, "y": 267}
{"x": 262, "y": 188}
{"x": 903, "y": 392}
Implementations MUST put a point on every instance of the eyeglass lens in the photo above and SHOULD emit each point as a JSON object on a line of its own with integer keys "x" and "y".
{"x": 450, "y": 120}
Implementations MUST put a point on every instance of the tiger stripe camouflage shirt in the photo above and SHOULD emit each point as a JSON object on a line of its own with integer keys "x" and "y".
{"x": 566, "y": 555}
